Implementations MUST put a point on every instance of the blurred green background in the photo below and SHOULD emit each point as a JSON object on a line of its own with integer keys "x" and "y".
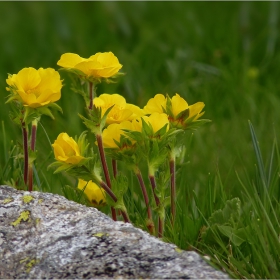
{"x": 225, "y": 54}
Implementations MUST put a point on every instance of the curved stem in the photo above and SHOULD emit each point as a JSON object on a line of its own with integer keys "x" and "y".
{"x": 105, "y": 169}
{"x": 150, "y": 224}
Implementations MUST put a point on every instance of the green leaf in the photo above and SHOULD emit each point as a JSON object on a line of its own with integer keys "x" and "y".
{"x": 231, "y": 234}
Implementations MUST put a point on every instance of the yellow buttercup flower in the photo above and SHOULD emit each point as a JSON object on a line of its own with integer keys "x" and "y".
{"x": 66, "y": 149}
{"x": 114, "y": 132}
{"x": 118, "y": 113}
{"x": 94, "y": 193}
{"x": 100, "y": 65}
{"x": 177, "y": 106}
{"x": 35, "y": 88}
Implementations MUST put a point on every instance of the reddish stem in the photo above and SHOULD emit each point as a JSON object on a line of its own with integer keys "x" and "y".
{"x": 32, "y": 147}
{"x": 173, "y": 190}
{"x": 115, "y": 167}
{"x": 160, "y": 220}
{"x": 150, "y": 225}
{"x": 153, "y": 183}
{"x": 25, "y": 152}
{"x": 105, "y": 169}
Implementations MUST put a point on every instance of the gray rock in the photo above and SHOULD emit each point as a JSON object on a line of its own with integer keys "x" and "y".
{"x": 44, "y": 235}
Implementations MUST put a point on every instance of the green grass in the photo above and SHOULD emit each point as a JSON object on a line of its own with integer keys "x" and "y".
{"x": 225, "y": 54}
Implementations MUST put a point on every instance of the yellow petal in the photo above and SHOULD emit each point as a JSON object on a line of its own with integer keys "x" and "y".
{"x": 157, "y": 121}
{"x": 195, "y": 110}
{"x": 27, "y": 78}
{"x": 94, "y": 193}
{"x": 156, "y": 104}
{"x": 88, "y": 67}
{"x": 69, "y": 60}
{"x": 179, "y": 104}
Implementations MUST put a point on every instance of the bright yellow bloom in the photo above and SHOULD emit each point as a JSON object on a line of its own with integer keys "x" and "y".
{"x": 66, "y": 149}
{"x": 100, "y": 65}
{"x": 36, "y": 88}
{"x": 118, "y": 113}
{"x": 178, "y": 105}
{"x": 114, "y": 132}
{"x": 94, "y": 193}
{"x": 156, "y": 120}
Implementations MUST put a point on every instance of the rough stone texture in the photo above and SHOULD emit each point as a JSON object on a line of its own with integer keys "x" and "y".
{"x": 47, "y": 236}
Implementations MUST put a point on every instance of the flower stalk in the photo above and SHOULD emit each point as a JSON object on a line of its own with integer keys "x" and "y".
{"x": 150, "y": 223}
{"x": 115, "y": 167}
{"x": 160, "y": 219}
{"x": 25, "y": 152}
{"x": 172, "y": 168}
{"x": 105, "y": 169}
{"x": 32, "y": 147}
{"x": 91, "y": 95}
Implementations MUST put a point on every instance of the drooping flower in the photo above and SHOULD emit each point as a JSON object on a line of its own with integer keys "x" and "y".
{"x": 95, "y": 194}
{"x": 100, "y": 65}
{"x": 120, "y": 112}
{"x": 66, "y": 149}
{"x": 35, "y": 88}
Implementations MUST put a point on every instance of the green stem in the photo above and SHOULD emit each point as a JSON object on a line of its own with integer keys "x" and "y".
{"x": 105, "y": 169}
{"x": 90, "y": 95}
{"x": 25, "y": 152}
{"x": 160, "y": 219}
{"x": 173, "y": 188}
{"x": 150, "y": 224}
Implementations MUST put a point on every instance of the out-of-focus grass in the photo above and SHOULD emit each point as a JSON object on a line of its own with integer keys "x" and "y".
{"x": 225, "y": 54}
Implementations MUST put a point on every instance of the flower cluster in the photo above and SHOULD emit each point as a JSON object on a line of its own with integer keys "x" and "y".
{"x": 124, "y": 132}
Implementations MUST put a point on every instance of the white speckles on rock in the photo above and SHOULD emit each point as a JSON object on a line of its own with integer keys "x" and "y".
{"x": 73, "y": 241}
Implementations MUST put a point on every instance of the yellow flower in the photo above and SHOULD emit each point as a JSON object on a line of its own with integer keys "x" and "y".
{"x": 94, "y": 193}
{"x": 66, "y": 149}
{"x": 178, "y": 105}
{"x": 100, "y": 65}
{"x": 114, "y": 132}
{"x": 118, "y": 113}
{"x": 36, "y": 88}
{"x": 156, "y": 120}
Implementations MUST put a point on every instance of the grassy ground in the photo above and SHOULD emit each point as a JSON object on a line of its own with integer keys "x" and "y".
{"x": 225, "y": 54}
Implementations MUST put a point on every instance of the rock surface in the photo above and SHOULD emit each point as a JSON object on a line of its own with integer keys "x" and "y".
{"x": 47, "y": 236}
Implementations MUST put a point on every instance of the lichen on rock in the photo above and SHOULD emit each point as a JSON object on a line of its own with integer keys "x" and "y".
{"x": 24, "y": 216}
